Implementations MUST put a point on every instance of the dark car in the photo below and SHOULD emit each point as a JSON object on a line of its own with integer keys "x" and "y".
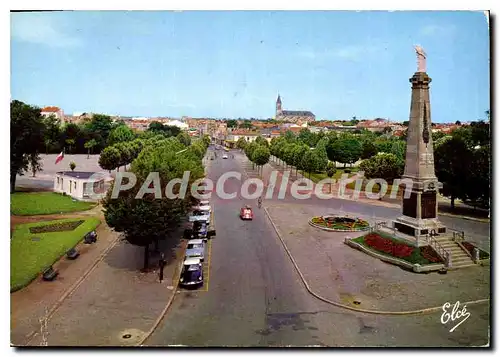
{"x": 192, "y": 273}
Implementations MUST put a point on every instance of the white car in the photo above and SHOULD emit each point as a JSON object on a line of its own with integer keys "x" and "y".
{"x": 195, "y": 249}
{"x": 224, "y": 156}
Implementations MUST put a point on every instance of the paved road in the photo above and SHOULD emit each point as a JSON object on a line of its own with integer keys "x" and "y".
{"x": 254, "y": 296}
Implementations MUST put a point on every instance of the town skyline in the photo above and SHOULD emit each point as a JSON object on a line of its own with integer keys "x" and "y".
{"x": 242, "y": 71}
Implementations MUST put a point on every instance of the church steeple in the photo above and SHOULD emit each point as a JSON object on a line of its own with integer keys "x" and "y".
{"x": 278, "y": 106}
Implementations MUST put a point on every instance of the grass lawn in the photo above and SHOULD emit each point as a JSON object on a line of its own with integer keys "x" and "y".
{"x": 414, "y": 258}
{"x": 318, "y": 176}
{"x": 29, "y": 257}
{"x": 34, "y": 203}
{"x": 376, "y": 188}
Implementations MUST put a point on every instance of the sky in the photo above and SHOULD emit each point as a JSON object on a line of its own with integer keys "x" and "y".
{"x": 233, "y": 64}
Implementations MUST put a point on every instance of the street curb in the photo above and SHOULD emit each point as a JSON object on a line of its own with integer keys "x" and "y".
{"x": 482, "y": 220}
{"x": 75, "y": 286}
{"x": 375, "y": 312}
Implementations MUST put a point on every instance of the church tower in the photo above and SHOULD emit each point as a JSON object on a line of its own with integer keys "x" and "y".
{"x": 278, "y": 106}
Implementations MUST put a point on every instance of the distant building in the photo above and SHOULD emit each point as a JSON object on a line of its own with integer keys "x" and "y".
{"x": 233, "y": 137}
{"x": 77, "y": 184}
{"x": 55, "y": 111}
{"x": 179, "y": 124}
{"x": 294, "y": 116}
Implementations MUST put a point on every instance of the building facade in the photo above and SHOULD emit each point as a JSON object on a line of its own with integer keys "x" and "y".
{"x": 55, "y": 111}
{"x": 294, "y": 116}
{"x": 77, "y": 184}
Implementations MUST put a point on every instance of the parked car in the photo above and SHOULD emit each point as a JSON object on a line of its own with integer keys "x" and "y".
{"x": 246, "y": 213}
{"x": 195, "y": 249}
{"x": 192, "y": 273}
{"x": 204, "y": 207}
{"x": 200, "y": 228}
{"x": 224, "y": 156}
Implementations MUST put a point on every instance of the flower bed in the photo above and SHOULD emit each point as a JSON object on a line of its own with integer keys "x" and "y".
{"x": 470, "y": 248}
{"x": 340, "y": 223}
{"x": 57, "y": 227}
{"x": 394, "y": 248}
{"x": 398, "y": 250}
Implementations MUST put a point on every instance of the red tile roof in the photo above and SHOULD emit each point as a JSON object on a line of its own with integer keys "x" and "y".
{"x": 51, "y": 109}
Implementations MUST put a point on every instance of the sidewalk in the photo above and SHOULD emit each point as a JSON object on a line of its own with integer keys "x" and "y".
{"x": 31, "y": 303}
{"x": 116, "y": 299}
{"x": 345, "y": 275}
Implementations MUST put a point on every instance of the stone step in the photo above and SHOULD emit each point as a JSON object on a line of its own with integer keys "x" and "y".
{"x": 461, "y": 260}
{"x": 460, "y": 266}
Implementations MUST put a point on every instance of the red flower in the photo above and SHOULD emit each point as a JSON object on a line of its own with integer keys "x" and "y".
{"x": 385, "y": 245}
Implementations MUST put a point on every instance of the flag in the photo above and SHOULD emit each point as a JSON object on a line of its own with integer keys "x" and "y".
{"x": 60, "y": 157}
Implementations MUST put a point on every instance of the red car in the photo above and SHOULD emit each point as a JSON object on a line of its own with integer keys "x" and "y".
{"x": 246, "y": 213}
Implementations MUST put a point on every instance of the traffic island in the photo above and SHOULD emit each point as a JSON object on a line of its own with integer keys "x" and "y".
{"x": 339, "y": 223}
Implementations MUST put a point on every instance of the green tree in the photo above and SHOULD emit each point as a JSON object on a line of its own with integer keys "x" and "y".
{"x": 72, "y": 166}
{"x": 261, "y": 141}
{"x": 184, "y": 138}
{"x": 347, "y": 150}
{"x": 478, "y": 187}
{"x": 289, "y": 136}
{"x": 27, "y": 138}
{"x": 70, "y": 143}
{"x": 89, "y": 145}
{"x": 35, "y": 163}
{"x": 48, "y": 142}
{"x": 298, "y": 151}
{"x": 309, "y": 162}
{"x": 330, "y": 172}
{"x": 306, "y": 137}
{"x": 437, "y": 135}
{"x": 52, "y": 133}
{"x": 126, "y": 154}
{"x": 399, "y": 149}
{"x": 289, "y": 153}
{"x": 368, "y": 149}
{"x": 453, "y": 160}
{"x": 110, "y": 158}
{"x": 241, "y": 143}
{"x": 261, "y": 156}
{"x": 121, "y": 133}
{"x": 385, "y": 166}
{"x": 321, "y": 153}
{"x": 99, "y": 128}
{"x": 150, "y": 219}
{"x": 383, "y": 145}
{"x": 232, "y": 123}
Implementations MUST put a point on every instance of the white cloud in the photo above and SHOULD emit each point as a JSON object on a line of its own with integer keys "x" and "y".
{"x": 40, "y": 28}
{"x": 441, "y": 30}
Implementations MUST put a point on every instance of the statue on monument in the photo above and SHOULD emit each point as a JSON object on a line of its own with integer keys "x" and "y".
{"x": 421, "y": 58}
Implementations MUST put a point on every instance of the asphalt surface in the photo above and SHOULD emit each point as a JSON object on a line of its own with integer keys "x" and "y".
{"x": 253, "y": 296}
